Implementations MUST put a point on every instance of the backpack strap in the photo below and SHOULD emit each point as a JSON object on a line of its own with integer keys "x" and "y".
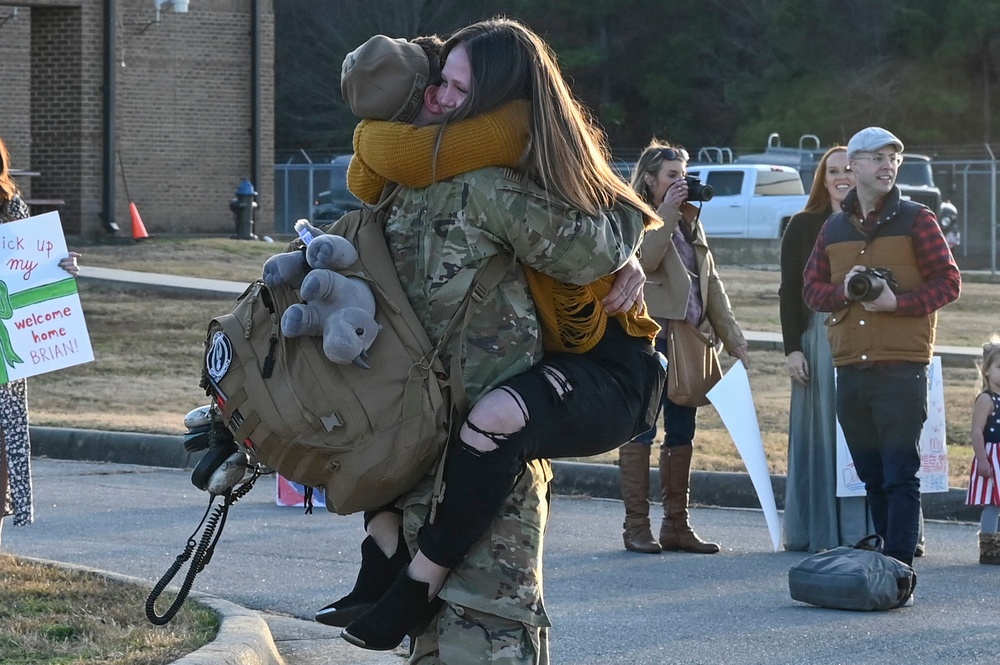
{"x": 488, "y": 276}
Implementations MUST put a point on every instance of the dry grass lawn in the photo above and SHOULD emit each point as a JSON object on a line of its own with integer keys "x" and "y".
{"x": 54, "y": 616}
{"x": 148, "y": 350}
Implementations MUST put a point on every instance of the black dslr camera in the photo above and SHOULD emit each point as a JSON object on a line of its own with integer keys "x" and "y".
{"x": 865, "y": 286}
{"x": 698, "y": 191}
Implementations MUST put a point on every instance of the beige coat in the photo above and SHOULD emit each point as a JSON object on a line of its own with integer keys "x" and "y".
{"x": 668, "y": 283}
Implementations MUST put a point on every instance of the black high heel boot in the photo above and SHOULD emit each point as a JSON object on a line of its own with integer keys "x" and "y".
{"x": 403, "y": 607}
{"x": 375, "y": 577}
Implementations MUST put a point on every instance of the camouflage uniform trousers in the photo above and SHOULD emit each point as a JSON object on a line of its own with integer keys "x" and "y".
{"x": 493, "y": 610}
{"x": 463, "y": 636}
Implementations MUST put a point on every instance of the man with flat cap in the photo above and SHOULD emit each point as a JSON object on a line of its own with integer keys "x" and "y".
{"x": 881, "y": 327}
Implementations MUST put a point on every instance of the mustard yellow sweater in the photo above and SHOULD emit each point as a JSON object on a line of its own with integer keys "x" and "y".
{"x": 398, "y": 152}
{"x": 571, "y": 316}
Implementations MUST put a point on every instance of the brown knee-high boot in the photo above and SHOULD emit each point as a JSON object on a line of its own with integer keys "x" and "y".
{"x": 633, "y": 463}
{"x": 675, "y": 478}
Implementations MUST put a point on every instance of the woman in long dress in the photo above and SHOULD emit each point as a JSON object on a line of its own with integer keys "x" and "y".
{"x": 815, "y": 519}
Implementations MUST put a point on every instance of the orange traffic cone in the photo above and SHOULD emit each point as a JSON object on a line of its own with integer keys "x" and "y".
{"x": 138, "y": 229}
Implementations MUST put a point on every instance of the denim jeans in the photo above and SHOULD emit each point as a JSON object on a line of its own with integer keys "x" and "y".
{"x": 882, "y": 410}
{"x": 678, "y": 421}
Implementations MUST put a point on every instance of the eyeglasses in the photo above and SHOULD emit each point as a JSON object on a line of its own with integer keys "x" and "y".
{"x": 878, "y": 159}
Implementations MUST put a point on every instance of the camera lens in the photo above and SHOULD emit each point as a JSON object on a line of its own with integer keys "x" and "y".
{"x": 864, "y": 287}
{"x": 698, "y": 191}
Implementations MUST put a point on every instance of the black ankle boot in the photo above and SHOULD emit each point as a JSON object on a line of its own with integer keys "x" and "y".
{"x": 403, "y": 607}
{"x": 375, "y": 577}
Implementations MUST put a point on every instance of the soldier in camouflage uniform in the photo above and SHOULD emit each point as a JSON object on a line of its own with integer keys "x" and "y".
{"x": 439, "y": 236}
{"x": 499, "y": 581}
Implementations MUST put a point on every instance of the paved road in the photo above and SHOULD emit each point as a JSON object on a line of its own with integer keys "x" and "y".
{"x": 608, "y": 606}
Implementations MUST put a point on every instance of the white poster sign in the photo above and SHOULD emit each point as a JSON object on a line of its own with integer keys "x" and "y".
{"x": 933, "y": 445}
{"x": 732, "y": 398}
{"x": 42, "y": 328}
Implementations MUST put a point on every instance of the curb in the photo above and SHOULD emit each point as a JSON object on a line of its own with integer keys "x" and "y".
{"x": 116, "y": 447}
{"x": 243, "y": 637}
{"x": 727, "y": 489}
{"x": 708, "y": 488}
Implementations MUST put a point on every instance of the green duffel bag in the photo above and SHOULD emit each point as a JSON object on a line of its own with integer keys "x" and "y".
{"x": 858, "y": 577}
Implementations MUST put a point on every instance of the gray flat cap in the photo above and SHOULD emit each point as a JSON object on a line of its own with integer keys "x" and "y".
{"x": 871, "y": 139}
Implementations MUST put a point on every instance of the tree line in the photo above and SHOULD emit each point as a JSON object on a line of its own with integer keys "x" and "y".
{"x": 713, "y": 72}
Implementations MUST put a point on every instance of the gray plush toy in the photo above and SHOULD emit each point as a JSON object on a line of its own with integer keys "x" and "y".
{"x": 339, "y": 308}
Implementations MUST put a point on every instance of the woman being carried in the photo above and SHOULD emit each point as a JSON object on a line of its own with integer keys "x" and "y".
{"x": 595, "y": 386}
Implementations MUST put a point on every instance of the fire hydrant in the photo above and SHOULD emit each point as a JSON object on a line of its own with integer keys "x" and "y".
{"x": 243, "y": 206}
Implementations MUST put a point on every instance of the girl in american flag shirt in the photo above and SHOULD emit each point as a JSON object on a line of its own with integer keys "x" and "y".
{"x": 984, "y": 489}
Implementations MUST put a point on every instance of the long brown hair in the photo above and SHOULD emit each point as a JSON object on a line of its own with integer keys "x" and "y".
{"x": 819, "y": 198}
{"x": 567, "y": 152}
{"x": 8, "y": 188}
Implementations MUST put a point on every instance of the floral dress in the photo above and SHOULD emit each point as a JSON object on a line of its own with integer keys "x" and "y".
{"x": 15, "y": 447}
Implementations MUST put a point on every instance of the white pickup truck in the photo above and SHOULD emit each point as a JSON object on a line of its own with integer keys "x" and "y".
{"x": 750, "y": 200}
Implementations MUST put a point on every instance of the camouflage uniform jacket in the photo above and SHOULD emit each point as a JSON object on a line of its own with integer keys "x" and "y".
{"x": 438, "y": 236}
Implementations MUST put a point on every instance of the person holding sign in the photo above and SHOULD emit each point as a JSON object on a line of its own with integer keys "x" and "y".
{"x": 15, "y": 447}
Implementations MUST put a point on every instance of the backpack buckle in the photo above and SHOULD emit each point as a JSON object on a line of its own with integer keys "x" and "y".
{"x": 479, "y": 292}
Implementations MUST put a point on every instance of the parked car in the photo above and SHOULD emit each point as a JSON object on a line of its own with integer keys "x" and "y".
{"x": 749, "y": 200}
{"x": 915, "y": 180}
{"x": 331, "y": 204}
{"x": 915, "y": 177}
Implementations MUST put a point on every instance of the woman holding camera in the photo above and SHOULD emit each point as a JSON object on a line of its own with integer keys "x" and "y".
{"x": 683, "y": 285}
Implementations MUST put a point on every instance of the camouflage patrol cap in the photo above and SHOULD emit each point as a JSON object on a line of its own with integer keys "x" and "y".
{"x": 385, "y": 78}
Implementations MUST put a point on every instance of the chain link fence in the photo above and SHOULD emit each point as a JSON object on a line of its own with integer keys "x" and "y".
{"x": 971, "y": 185}
{"x": 313, "y": 189}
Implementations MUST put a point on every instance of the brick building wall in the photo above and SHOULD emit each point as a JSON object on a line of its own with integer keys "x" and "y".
{"x": 59, "y": 149}
{"x": 15, "y": 83}
{"x": 183, "y": 110}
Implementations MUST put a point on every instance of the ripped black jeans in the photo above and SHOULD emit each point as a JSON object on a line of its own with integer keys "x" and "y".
{"x": 592, "y": 403}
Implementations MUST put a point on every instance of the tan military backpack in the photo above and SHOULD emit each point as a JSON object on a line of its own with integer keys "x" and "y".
{"x": 364, "y": 436}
